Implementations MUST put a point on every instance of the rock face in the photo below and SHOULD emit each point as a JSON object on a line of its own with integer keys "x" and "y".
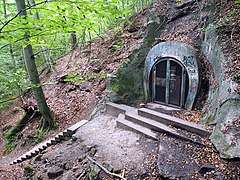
{"x": 226, "y": 134}
{"x": 224, "y": 99}
{"x": 128, "y": 83}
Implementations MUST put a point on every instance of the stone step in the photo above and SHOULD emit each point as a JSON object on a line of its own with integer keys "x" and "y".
{"x": 48, "y": 143}
{"x": 125, "y": 124}
{"x": 53, "y": 141}
{"x": 148, "y": 123}
{"x": 14, "y": 162}
{"x": 60, "y": 136}
{"x": 74, "y": 127}
{"x": 133, "y": 117}
{"x": 176, "y": 122}
{"x": 43, "y": 147}
{"x": 23, "y": 158}
{"x": 68, "y": 133}
{"x": 114, "y": 109}
{"x": 19, "y": 160}
{"x": 65, "y": 135}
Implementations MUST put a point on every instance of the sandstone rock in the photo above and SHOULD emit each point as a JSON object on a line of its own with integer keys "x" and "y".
{"x": 226, "y": 134}
{"x": 206, "y": 168}
{"x": 54, "y": 172}
{"x": 224, "y": 105}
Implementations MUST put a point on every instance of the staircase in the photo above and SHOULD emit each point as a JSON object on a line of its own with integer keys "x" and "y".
{"x": 149, "y": 122}
{"x": 65, "y": 135}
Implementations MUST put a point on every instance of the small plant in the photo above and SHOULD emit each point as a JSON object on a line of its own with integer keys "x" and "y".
{"x": 74, "y": 77}
{"x": 116, "y": 47}
{"x": 11, "y": 144}
{"x": 9, "y": 147}
{"x": 40, "y": 135}
{"x": 28, "y": 171}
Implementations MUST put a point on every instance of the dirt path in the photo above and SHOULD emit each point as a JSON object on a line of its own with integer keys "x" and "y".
{"x": 120, "y": 148}
{"x": 112, "y": 147}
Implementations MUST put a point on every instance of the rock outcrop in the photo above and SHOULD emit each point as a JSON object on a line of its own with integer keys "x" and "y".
{"x": 224, "y": 99}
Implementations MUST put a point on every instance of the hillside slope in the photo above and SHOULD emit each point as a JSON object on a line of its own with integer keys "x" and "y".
{"x": 78, "y": 84}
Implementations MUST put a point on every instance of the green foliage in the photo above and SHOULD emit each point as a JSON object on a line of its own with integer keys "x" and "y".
{"x": 11, "y": 79}
{"x": 237, "y": 1}
{"x": 116, "y": 47}
{"x": 9, "y": 147}
{"x": 40, "y": 135}
{"x": 11, "y": 144}
{"x": 28, "y": 171}
{"x": 93, "y": 173}
{"x": 49, "y": 34}
{"x": 76, "y": 78}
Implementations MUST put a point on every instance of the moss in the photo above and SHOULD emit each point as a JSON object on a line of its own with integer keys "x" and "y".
{"x": 210, "y": 118}
{"x": 128, "y": 81}
{"x": 14, "y": 133}
{"x": 40, "y": 135}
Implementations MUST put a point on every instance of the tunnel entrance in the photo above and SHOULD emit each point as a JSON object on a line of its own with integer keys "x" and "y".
{"x": 169, "y": 82}
{"x": 171, "y": 74}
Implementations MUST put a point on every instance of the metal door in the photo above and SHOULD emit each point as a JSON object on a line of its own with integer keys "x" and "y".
{"x": 169, "y": 77}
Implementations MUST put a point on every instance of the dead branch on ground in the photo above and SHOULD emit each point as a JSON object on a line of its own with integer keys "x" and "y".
{"x": 104, "y": 169}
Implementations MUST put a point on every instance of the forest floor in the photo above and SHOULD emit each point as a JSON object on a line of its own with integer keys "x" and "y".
{"x": 72, "y": 91}
{"x": 72, "y": 101}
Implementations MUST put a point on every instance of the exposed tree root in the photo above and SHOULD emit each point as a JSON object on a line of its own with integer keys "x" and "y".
{"x": 47, "y": 123}
{"x": 27, "y": 116}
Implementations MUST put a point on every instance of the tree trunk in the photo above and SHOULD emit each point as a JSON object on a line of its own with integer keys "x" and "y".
{"x": 45, "y": 51}
{"x": 4, "y": 8}
{"x": 74, "y": 42}
{"x": 48, "y": 120}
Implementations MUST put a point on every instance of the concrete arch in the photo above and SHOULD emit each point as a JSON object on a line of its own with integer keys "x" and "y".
{"x": 186, "y": 55}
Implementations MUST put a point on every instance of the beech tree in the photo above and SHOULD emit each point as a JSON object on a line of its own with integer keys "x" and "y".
{"x": 43, "y": 27}
{"x": 47, "y": 120}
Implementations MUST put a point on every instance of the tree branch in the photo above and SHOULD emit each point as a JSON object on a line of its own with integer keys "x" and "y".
{"x": 20, "y": 13}
{"x": 104, "y": 169}
{"x": 47, "y": 50}
{"x": 11, "y": 99}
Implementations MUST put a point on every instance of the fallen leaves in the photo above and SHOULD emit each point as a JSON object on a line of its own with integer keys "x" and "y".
{"x": 191, "y": 116}
{"x": 178, "y": 159}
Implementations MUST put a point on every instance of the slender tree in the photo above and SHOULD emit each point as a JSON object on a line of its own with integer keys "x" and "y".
{"x": 47, "y": 120}
{"x": 74, "y": 42}
{"x": 45, "y": 50}
{"x": 4, "y": 8}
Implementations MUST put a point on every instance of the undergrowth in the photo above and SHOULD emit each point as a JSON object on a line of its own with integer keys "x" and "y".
{"x": 11, "y": 141}
{"x": 40, "y": 135}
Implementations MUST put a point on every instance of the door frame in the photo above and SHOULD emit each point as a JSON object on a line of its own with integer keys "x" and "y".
{"x": 168, "y": 79}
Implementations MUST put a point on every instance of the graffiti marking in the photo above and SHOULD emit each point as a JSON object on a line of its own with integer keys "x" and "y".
{"x": 188, "y": 61}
